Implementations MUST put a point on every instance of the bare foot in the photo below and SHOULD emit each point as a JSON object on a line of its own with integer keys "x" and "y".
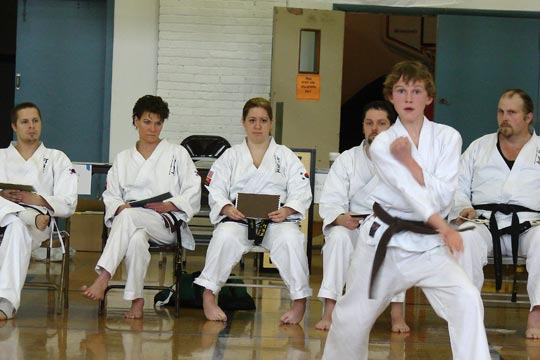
{"x": 533, "y": 324}
{"x": 136, "y": 311}
{"x": 326, "y": 320}
{"x": 96, "y": 291}
{"x": 42, "y": 221}
{"x": 296, "y": 313}
{"x": 211, "y": 310}
{"x": 398, "y": 320}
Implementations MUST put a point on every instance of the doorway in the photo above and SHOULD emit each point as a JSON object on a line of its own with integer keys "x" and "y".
{"x": 63, "y": 63}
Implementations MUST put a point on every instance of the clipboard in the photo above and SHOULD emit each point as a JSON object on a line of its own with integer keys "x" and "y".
{"x": 257, "y": 206}
{"x": 158, "y": 198}
{"x": 8, "y": 186}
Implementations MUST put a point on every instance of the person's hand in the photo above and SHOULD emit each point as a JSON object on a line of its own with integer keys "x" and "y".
{"x": 453, "y": 240}
{"x": 31, "y": 198}
{"x": 468, "y": 213}
{"x": 12, "y": 195}
{"x": 25, "y": 197}
{"x": 348, "y": 221}
{"x": 232, "y": 213}
{"x": 401, "y": 149}
{"x": 121, "y": 208}
{"x": 281, "y": 214}
{"x": 162, "y": 206}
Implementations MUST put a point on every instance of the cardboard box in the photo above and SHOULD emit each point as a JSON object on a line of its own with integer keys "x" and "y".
{"x": 86, "y": 225}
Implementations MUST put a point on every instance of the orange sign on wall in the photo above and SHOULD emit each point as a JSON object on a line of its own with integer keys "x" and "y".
{"x": 308, "y": 87}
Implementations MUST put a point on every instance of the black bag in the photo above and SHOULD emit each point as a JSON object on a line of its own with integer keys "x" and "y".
{"x": 230, "y": 298}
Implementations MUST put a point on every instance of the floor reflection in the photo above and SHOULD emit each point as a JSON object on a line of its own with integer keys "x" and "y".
{"x": 38, "y": 333}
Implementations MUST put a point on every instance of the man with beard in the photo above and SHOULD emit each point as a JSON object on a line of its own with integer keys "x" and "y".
{"x": 345, "y": 202}
{"x": 499, "y": 181}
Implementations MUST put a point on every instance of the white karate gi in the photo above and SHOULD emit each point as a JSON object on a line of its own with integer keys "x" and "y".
{"x": 412, "y": 259}
{"x": 280, "y": 173}
{"x": 51, "y": 174}
{"x": 348, "y": 187}
{"x": 485, "y": 178}
{"x": 168, "y": 169}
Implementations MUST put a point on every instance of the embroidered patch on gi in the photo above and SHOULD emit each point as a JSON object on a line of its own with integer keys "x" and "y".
{"x": 374, "y": 227}
{"x": 537, "y": 159}
{"x": 208, "y": 179}
{"x": 304, "y": 176}
{"x": 72, "y": 171}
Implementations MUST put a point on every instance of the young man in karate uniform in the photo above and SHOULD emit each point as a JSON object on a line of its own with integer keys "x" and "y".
{"x": 26, "y": 215}
{"x": 345, "y": 202}
{"x": 407, "y": 238}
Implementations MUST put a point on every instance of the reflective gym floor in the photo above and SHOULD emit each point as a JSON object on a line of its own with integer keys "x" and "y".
{"x": 38, "y": 333}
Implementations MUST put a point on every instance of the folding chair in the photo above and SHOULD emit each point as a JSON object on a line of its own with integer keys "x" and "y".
{"x": 504, "y": 296}
{"x": 177, "y": 250}
{"x": 60, "y": 284}
{"x": 256, "y": 281}
{"x": 205, "y": 146}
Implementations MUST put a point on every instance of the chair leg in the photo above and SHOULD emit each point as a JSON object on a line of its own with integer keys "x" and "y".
{"x": 101, "y": 306}
{"x": 178, "y": 277}
{"x": 62, "y": 286}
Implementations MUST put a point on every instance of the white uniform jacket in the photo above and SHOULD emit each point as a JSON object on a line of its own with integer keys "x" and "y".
{"x": 401, "y": 195}
{"x": 485, "y": 178}
{"x": 168, "y": 169}
{"x": 49, "y": 171}
{"x": 280, "y": 173}
{"x": 348, "y": 186}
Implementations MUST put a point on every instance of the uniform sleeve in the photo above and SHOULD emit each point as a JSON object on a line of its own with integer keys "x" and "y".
{"x": 462, "y": 198}
{"x": 220, "y": 185}
{"x": 112, "y": 196}
{"x": 335, "y": 194}
{"x": 442, "y": 183}
{"x": 64, "y": 198}
{"x": 424, "y": 200}
{"x": 189, "y": 181}
{"x": 298, "y": 187}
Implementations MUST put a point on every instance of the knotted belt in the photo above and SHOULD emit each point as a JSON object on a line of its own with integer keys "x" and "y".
{"x": 514, "y": 230}
{"x": 395, "y": 225}
{"x": 172, "y": 223}
{"x": 256, "y": 231}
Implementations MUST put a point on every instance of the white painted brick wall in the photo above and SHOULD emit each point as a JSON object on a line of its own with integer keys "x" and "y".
{"x": 212, "y": 57}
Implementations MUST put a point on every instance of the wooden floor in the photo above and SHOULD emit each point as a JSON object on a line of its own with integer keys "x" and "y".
{"x": 38, "y": 333}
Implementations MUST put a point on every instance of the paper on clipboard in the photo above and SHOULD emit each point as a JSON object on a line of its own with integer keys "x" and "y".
{"x": 22, "y": 187}
{"x": 257, "y": 206}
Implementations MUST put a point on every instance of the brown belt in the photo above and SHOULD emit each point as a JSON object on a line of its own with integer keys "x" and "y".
{"x": 395, "y": 225}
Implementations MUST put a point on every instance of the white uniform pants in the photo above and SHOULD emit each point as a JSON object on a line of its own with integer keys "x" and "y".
{"x": 478, "y": 245}
{"x": 339, "y": 245}
{"x": 131, "y": 230}
{"x": 285, "y": 242}
{"x": 444, "y": 283}
{"x": 15, "y": 252}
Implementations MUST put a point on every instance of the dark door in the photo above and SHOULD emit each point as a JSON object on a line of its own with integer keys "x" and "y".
{"x": 62, "y": 59}
{"x": 478, "y": 58}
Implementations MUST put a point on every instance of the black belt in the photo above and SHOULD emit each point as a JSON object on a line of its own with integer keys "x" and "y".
{"x": 172, "y": 223}
{"x": 256, "y": 231}
{"x": 514, "y": 230}
{"x": 395, "y": 225}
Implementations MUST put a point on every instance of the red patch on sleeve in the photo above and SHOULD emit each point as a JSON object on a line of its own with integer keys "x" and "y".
{"x": 208, "y": 179}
